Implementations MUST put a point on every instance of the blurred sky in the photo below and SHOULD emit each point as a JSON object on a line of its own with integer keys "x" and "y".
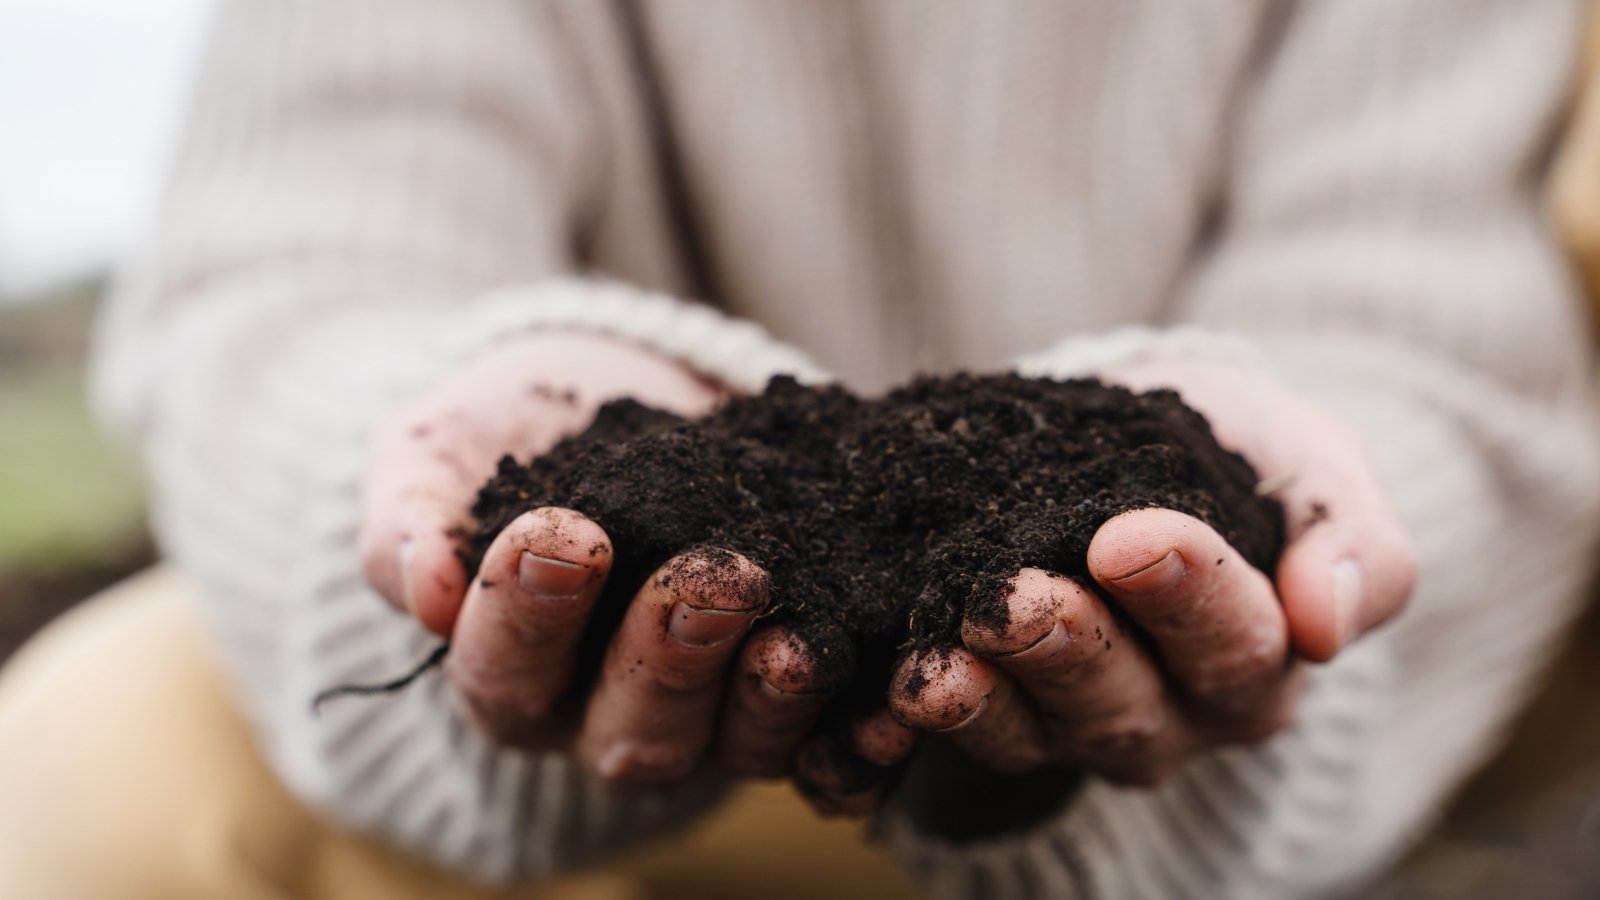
{"x": 90, "y": 94}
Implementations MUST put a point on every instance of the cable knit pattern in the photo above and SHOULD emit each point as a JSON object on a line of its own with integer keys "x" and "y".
{"x": 1340, "y": 192}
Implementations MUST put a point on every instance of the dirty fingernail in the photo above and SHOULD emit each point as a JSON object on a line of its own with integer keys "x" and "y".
{"x": 773, "y": 692}
{"x": 696, "y": 627}
{"x": 1044, "y": 648}
{"x": 1348, "y": 586}
{"x": 1159, "y": 576}
{"x": 969, "y": 719}
{"x": 551, "y": 577}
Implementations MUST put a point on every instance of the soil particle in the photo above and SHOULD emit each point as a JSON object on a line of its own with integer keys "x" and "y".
{"x": 881, "y": 523}
{"x": 1319, "y": 514}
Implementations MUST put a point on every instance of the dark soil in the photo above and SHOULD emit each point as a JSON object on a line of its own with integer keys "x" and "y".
{"x": 883, "y": 522}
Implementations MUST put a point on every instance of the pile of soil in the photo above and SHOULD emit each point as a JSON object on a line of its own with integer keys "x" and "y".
{"x": 883, "y": 522}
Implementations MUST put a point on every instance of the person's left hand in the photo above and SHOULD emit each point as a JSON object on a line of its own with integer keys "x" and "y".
{"x": 1201, "y": 648}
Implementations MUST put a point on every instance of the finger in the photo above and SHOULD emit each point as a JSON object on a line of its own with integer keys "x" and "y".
{"x": 880, "y": 739}
{"x": 772, "y": 704}
{"x": 836, "y": 782}
{"x": 650, "y": 716}
{"x": 1214, "y": 619}
{"x": 955, "y": 693}
{"x": 1351, "y": 568}
{"x": 1102, "y": 700}
{"x": 407, "y": 554}
{"x": 513, "y": 651}
{"x": 423, "y": 472}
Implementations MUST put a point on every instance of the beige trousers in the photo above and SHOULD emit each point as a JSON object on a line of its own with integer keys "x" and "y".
{"x": 125, "y": 774}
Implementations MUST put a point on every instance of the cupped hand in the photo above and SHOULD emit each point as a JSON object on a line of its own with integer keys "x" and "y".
{"x": 664, "y": 692}
{"x": 1179, "y": 645}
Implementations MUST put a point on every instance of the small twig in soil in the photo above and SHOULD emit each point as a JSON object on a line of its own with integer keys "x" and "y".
{"x": 387, "y": 687}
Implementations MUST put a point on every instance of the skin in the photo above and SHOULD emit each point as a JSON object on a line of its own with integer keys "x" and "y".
{"x": 1221, "y": 648}
{"x": 1206, "y": 650}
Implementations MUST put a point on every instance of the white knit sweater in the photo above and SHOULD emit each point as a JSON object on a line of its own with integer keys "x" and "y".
{"x": 372, "y": 190}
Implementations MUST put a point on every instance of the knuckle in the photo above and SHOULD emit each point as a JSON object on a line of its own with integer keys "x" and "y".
{"x": 499, "y": 726}
{"x": 677, "y": 680}
{"x": 501, "y": 707}
{"x": 633, "y": 763}
{"x": 1130, "y": 736}
{"x": 1241, "y": 671}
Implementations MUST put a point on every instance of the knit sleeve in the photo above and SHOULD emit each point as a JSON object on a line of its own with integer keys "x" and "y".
{"x": 369, "y": 191}
{"x": 1382, "y": 248}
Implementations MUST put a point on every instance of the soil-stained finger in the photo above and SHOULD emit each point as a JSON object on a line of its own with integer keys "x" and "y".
{"x": 651, "y": 714}
{"x": 772, "y": 703}
{"x": 406, "y": 552}
{"x": 514, "y": 648}
{"x": 880, "y": 739}
{"x": 979, "y": 707}
{"x": 1350, "y": 572}
{"x": 1215, "y": 620}
{"x": 836, "y": 782}
{"x": 1101, "y": 699}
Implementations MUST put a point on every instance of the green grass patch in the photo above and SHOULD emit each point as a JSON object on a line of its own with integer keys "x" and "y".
{"x": 68, "y": 496}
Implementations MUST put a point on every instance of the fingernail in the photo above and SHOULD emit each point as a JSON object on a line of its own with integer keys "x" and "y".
{"x": 1348, "y": 585}
{"x": 696, "y": 627}
{"x": 408, "y": 553}
{"x": 774, "y": 692}
{"x": 555, "y": 578}
{"x": 1159, "y": 576}
{"x": 971, "y": 717}
{"x": 634, "y": 761}
{"x": 1043, "y": 648}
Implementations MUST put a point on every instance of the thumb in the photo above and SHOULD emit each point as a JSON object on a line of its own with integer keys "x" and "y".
{"x": 415, "y": 495}
{"x": 1349, "y": 567}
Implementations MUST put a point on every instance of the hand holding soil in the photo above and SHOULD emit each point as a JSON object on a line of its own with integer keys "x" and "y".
{"x": 1196, "y": 647}
{"x": 980, "y": 586}
{"x": 515, "y": 630}
{"x": 1048, "y": 574}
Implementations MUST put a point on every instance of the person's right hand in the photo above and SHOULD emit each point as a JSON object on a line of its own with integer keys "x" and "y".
{"x": 664, "y": 693}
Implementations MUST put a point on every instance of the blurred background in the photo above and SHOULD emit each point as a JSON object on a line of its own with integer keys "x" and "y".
{"x": 90, "y": 93}
{"x": 90, "y": 96}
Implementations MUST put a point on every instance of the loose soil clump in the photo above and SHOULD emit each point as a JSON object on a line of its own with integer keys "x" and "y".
{"x": 883, "y": 522}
